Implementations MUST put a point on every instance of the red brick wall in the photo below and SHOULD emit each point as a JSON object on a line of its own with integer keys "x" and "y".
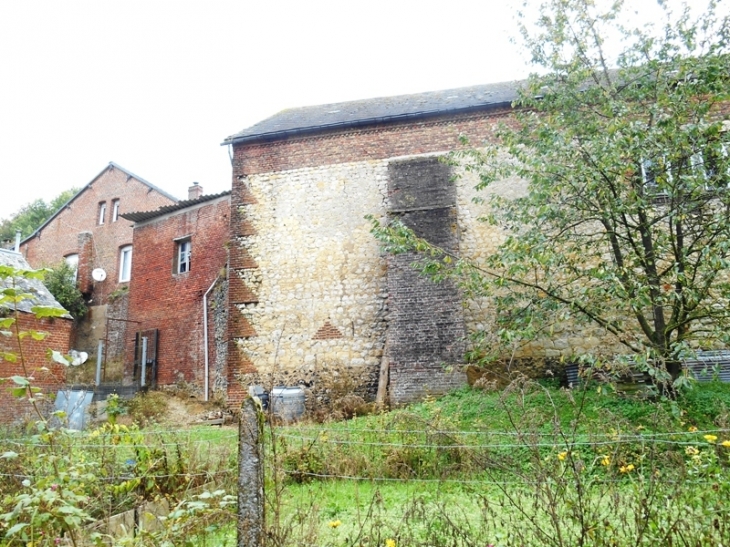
{"x": 387, "y": 141}
{"x": 76, "y": 229}
{"x": 34, "y": 353}
{"x": 173, "y": 303}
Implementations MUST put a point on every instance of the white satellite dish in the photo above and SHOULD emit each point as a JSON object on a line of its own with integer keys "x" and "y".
{"x": 98, "y": 274}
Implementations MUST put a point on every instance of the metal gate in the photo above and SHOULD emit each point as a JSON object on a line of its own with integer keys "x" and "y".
{"x": 145, "y": 357}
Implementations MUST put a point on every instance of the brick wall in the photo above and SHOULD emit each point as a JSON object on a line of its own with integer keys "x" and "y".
{"x": 76, "y": 230}
{"x": 387, "y": 141}
{"x": 34, "y": 352}
{"x": 426, "y": 323}
{"x": 160, "y": 298}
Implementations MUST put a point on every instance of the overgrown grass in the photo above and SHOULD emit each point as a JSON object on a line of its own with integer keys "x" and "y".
{"x": 530, "y": 465}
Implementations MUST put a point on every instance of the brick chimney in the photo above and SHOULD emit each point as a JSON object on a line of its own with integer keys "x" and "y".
{"x": 195, "y": 191}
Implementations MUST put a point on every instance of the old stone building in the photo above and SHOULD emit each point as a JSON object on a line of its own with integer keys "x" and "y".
{"x": 177, "y": 304}
{"x": 311, "y": 295}
{"x": 90, "y": 233}
{"x": 34, "y": 362}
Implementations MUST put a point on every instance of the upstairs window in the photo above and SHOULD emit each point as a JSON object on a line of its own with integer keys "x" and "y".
{"x": 125, "y": 263}
{"x": 713, "y": 164}
{"x": 115, "y": 210}
{"x": 102, "y": 212}
{"x": 183, "y": 248}
{"x": 73, "y": 262}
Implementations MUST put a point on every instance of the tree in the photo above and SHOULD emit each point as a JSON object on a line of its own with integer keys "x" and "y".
{"x": 626, "y": 220}
{"x": 32, "y": 216}
{"x": 61, "y": 283}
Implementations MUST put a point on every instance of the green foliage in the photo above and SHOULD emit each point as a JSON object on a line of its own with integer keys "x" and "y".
{"x": 53, "y": 482}
{"x": 61, "y": 282}
{"x": 146, "y": 407}
{"x": 530, "y": 465}
{"x": 706, "y": 405}
{"x": 32, "y": 215}
{"x": 625, "y": 222}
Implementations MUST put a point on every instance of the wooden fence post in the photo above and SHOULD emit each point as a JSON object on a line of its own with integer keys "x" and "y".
{"x": 250, "y": 476}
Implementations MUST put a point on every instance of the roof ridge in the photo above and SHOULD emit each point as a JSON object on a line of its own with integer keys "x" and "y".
{"x": 86, "y": 186}
{"x": 379, "y": 110}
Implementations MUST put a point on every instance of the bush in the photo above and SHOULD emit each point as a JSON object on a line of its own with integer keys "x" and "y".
{"x": 146, "y": 407}
{"x": 61, "y": 282}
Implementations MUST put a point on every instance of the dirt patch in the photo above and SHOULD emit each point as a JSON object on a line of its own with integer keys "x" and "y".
{"x": 182, "y": 411}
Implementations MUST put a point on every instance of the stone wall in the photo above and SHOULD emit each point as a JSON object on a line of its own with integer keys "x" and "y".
{"x": 311, "y": 295}
{"x": 308, "y": 289}
{"x": 218, "y": 352}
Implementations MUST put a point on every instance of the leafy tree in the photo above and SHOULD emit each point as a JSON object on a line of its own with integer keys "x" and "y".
{"x": 625, "y": 223}
{"x": 32, "y": 215}
{"x": 61, "y": 282}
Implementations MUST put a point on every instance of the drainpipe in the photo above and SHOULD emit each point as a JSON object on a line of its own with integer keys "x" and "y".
{"x": 205, "y": 336}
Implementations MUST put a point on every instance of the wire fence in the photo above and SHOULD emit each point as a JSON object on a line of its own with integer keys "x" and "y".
{"x": 297, "y": 457}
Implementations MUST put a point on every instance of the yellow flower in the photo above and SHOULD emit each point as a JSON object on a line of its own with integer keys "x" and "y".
{"x": 334, "y": 523}
{"x": 389, "y": 542}
{"x": 606, "y": 460}
{"x": 692, "y": 429}
{"x": 726, "y": 444}
{"x": 627, "y": 468}
{"x": 691, "y": 451}
{"x": 562, "y": 456}
{"x": 710, "y": 438}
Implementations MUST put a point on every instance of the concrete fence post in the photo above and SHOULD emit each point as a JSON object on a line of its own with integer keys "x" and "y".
{"x": 250, "y": 476}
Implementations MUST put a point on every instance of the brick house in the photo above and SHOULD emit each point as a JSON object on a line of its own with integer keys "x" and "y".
{"x": 58, "y": 335}
{"x": 311, "y": 296}
{"x": 177, "y": 294}
{"x": 89, "y": 232}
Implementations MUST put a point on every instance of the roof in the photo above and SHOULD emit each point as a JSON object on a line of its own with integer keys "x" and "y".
{"x": 141, "y": 216}
{"x": 83, "y": 189}
{"x": 311, "y": 119}
{"x": 41, "y": 295}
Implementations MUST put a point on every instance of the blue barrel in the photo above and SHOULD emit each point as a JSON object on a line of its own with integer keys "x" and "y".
{"x": 287, "y": 403}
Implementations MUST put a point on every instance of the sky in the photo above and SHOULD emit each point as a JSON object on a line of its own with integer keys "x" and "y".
{"x": 155, "y": 86}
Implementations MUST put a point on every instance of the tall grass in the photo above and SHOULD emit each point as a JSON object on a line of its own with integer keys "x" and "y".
{"x": 531, "y": 465}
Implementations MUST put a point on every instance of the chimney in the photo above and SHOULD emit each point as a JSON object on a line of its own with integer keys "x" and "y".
{"x": 17, "y": 241}
{"x": 195, "y": 191}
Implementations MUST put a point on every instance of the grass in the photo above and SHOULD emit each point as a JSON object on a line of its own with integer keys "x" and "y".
{"x": 531, "y": 465}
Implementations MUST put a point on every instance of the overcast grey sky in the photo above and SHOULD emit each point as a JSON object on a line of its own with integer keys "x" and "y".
{"x": 155, "y": 86}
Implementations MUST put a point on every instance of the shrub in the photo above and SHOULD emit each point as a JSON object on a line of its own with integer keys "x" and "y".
{"x": 61, "y": 282}
{"x": 147, "y": 407}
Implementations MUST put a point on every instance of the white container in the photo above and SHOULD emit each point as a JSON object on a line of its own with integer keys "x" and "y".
{"x": 287, "y": 403}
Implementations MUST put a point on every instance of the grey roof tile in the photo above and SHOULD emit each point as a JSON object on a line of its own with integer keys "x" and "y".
{"x": 309, "y": 119}
{"x": 141, "y": 216}
{"x": 41, "y": 295}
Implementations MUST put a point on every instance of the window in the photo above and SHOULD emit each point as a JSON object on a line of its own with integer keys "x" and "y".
{"x": 712, "y": 163}
{"x": 73, "y": 261}
{"x": 115, "y": 210}
{"x": 648, "y": 174}
{"x": 183, "y": 249}
{"x": 125, "y": 263}
{"x": 102, "y": 212}
{"x": 652, "y": 171}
